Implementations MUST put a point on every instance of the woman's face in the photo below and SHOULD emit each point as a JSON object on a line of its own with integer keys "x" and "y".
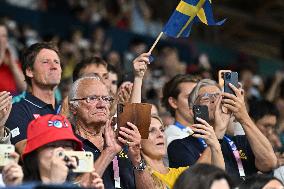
{"x": 220, "y": 184}
{"x": 155, "y": 145}
{"x": 208, "y": 96}
{"x": 45, "y": 153}
{"x": 273, "y": 184}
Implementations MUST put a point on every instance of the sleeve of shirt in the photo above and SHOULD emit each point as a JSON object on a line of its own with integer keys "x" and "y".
{"x": 246, "y": 154}
{"x": 180, "y": 154}
{"x": 17, "y": 123}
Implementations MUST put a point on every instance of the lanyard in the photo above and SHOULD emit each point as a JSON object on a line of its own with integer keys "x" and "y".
{"x": 237, "y": 156}
{"x": 58, "y": 109}
{"x": 188, "y": 130}
{"x": 116, "y": 172}
{"x": 183, "y": 128}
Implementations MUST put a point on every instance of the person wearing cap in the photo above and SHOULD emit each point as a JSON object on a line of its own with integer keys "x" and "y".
{"x": 42, "y": 71}
{"x": 43, "y": 157}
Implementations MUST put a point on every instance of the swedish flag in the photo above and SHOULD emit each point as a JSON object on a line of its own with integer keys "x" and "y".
{"x": 188, "y": 12}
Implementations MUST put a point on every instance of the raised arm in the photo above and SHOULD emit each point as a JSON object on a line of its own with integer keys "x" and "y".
{"x": 140, "y": 67}
{"x": 265, "y": 159}
{"x": 5, "y": 109}
{"x": 143, "y": 178}
{"x": 206, "y": 132}
{"x": 112, "y": 147}
{"x": 16, "y": 71}
{"x": 272, "y": 92}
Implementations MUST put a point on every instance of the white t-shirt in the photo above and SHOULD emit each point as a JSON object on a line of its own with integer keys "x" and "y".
{"x": 173, "y": 132}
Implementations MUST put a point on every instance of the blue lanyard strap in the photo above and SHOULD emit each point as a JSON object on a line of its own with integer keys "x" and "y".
{"x": 179, "y": 125}
{"x": 236, "y": 155}
{"x": 186, "y": 129}
{"x": 202, "y": 141}
{"x": 58, "y": 109}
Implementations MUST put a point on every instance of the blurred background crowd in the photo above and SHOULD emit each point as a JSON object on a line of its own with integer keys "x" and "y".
{"x": 120, "y": 30}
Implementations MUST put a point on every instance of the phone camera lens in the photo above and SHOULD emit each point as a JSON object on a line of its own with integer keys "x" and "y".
{"x": 228, "y": 75}
{"x": 197, "y": 111}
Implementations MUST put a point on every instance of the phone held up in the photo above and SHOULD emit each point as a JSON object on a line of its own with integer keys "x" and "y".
{"x": 5, "y": 151}
{"x": 200, "y": 111}
{"x": 230, "y": 77}
{"x": 84, "y": 159}
{"x": 221, "y": 74}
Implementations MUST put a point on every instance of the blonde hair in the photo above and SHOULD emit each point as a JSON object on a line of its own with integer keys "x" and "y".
{"x": 155, "y": 116}
{"x": 157, "y": 182}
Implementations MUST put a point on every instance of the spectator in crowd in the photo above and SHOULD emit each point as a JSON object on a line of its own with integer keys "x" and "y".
{"x": 89, "y": 103}
{"x": 114, "y": 77}
{"x": 154, "y": 148}
{"x": 12, "y": 173}
{"x": 265, "y": 114}
{"x": 261, "y": 181}
{"x": 203, "y": 176}
{"x": 48, "y": 137}
{"x": 96, "y": 65}
{"x": 12, "y": 78}
{"x": 92, "y": 65}
{"x": 175, "y": 100}
{"x": 5, "y": 109}
{"x": 244, "y": 154}
{"x": 42, "y": 70}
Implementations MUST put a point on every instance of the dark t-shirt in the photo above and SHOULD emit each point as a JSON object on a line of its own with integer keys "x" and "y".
{"x": 126, "y": 173}
{"x": 23, "y": 112}
{"x": 186, "y": 151}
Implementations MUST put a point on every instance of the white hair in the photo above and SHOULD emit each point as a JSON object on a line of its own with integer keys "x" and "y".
{"x": 202, "y": 83}
{"x": 74, "y": 88}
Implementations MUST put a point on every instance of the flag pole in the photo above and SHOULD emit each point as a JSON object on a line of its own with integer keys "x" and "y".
{"x": 155, "y": 43}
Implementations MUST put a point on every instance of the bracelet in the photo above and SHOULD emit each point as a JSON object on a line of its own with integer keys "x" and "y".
{"x": 141, "y": 166}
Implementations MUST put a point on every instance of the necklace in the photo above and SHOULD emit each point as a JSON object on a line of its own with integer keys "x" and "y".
{"x": 91, "y": 137}
{"x": 86, "y": 133}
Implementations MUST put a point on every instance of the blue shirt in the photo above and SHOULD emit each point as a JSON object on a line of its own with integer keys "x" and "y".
{"x": 185, "y": 152}
{"x": 23, "y": 112}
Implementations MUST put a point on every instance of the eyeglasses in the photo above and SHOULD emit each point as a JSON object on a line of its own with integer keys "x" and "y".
{"x": 95, "y": 98}
{"x": 206, "y": 97}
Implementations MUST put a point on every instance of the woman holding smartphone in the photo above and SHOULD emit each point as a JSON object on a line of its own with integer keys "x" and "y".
{"x": 48, "y": 137}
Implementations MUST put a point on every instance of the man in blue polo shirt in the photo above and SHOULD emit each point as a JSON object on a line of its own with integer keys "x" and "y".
{"x": 42, "y": 70}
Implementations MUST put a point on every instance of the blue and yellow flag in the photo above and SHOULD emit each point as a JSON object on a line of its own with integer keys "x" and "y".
{"x": 188, "y": 12}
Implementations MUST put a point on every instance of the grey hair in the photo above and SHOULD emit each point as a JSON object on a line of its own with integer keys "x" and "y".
{"x": 202, "y": 83}
{"x": 74, "y": 88}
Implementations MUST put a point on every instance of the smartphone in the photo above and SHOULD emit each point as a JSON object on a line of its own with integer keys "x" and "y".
{"x": 137, "y": 113}
{"x": 221, "y": 77}
{"x": 200, "y": 111}
{"x": 85, "y": 160}
{"x": 230, "y": 77}
{"x": 5, "y": 150}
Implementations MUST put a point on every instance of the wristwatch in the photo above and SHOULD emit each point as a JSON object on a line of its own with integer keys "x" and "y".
{"x": 141, "y": 166}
